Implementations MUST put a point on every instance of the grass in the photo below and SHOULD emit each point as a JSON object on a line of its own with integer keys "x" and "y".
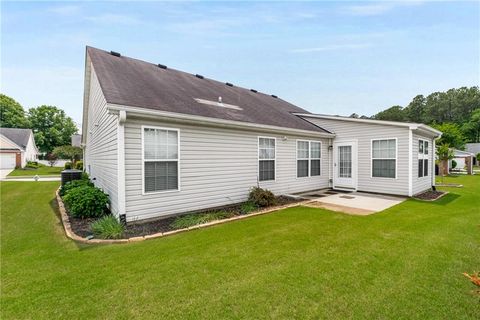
{"x": 403, "y": 263}
{"x": 41, "y": 171}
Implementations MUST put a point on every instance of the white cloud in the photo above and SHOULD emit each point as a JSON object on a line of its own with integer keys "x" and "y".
{"x": 377, "y": 8}
{"x": 333, "y": 47}
{"x": 66, "y": 10}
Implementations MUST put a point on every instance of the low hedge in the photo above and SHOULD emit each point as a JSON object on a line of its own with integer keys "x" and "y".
{"x": 86, "y": 202}
{"x": 74, "y": 184}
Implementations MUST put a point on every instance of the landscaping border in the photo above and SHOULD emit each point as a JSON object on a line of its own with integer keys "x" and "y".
{"x": 431, "y": 200}
{"x": 72, "y": 235}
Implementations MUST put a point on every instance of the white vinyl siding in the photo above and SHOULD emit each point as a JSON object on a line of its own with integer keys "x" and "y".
{"x": 160, "y": 159}
{"x": 421, "y": 184}
{"x": 266, "y": 158}
{"x": 308, "y": 158}
{"x": 101, "y": 151}
{"x": 384, "y": 158}
{"x": 364, "y": 133}
{"x": 217, "y": 167}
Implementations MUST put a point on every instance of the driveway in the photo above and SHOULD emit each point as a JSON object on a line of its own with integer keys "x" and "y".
{"x": 4, "y": 173}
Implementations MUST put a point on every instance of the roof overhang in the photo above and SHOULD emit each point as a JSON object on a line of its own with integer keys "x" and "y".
{"x": 420, "y": 127}
{"x": 207, "y": 121}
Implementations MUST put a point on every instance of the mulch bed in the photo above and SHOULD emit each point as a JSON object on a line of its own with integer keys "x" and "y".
{"x": 136, "y": 229}
{"x": 430, "y": 195}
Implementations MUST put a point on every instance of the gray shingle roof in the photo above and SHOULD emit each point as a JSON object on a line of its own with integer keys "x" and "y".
{"x": 18, "y": 136}
{"x": 136, "y": 83}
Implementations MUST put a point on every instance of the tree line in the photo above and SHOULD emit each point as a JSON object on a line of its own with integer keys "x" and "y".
{"x": 51, "y": 126}
{"x": 455, "y": 112}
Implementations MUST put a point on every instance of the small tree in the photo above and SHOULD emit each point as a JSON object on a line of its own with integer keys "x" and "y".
{"x": 444, "y": 153}
{"x": 68, "y": 152}
{"x": 52, "y": 159}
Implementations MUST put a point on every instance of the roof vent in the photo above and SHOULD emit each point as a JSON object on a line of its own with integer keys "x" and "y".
{"x": 162, "y": 66}
{"x": 229, "y": 84}
{"x": 116, "y": 54}
{"x": 253, "y": 90}
{"x": 199, "y": 76}
{"x": 274, "y": 96}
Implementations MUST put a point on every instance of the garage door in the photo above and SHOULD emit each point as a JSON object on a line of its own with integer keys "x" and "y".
{"x": 7, "y": 160}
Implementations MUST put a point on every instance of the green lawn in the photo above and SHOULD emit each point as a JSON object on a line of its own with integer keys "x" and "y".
{"x": 41, "y": 171}
{"x": 403, "y": 263}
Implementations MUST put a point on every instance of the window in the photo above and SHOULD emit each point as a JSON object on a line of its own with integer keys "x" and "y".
{"x": 160, "y": 159}
{"x": 422, "y": 158}
{"x": 266, "y": 159}
{"x": 384, "y": 158}
{"x": 308, "y": 158}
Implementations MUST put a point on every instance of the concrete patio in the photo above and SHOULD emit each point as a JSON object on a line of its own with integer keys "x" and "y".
{"x": 356, "y": 203}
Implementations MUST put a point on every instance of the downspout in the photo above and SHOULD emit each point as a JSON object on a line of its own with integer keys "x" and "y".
{"x": 122, "y": 117}
{"x": 410, "y": 162}
{"x": 330, "y": 163}
{"x": 434, "y": 152}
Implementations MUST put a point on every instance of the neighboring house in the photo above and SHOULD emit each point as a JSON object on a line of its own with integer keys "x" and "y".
{"x": 463, "y": 159}
{"x": 162, "y": 142}
{"x": 76, "y": 140}
{"x": 17, "y": 146}
{"x": 475, "y": 149}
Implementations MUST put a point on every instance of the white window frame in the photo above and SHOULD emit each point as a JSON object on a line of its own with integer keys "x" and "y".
{"x": 160, "y": 160}
{"x": 274, "y": 160}
{"x": 396, "y": 158}
{"x": 309, "y": 158}
{"x": 423, "y": 156}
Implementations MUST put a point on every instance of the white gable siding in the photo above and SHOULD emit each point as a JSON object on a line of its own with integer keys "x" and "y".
{"x": 101, "y": 143}
{"x": 6, "y": 143}
{"x": 217, "y": 167}
{"x": 364, "y": 133}
{"x": 423, "y": 183}
{"x": 30, "y": 150}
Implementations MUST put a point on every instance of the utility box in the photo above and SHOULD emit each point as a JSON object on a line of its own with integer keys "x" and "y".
{"x": 70, "y": 175}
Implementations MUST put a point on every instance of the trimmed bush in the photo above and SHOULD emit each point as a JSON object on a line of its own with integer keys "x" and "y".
{"x": 74, "y": 184}
{"x": 79, "y": 165}
{"x": 248, "y": 207}
{"x": 108, "y": 227}
{"x": 193, "y": 219}
{"x": 68, "y": 165}
{"x": 261, "y": 197}
{"x": 86, "y": 202}
{"x": 32, "y": 164}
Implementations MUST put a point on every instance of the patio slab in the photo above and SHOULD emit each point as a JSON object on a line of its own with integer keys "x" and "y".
{"x": 357, "y": 203}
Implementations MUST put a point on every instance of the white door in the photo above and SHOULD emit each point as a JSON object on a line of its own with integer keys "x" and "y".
{"x": 345, "y": 165}
{"x": 7, "y": 160}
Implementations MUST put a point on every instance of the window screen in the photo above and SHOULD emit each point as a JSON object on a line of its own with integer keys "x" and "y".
{"x": 266, "y": 159}
{"x": 160, "y": 159}
{"x": 384, "y": 158}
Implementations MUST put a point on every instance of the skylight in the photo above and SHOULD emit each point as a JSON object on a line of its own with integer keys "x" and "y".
{"x": 218, "y": 104}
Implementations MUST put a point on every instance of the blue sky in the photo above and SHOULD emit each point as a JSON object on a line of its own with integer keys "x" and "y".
{"x": 327, "y": 57}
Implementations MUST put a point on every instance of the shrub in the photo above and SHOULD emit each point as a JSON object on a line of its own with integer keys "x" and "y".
{"x": 32, "y": 164}
{"x": 79, "y": 165}
{"x": 248, "y": 207}
{"x": 193, "y": 219}
{"x": 261, "y": 197}
{"x": 454, "y": 164}
{"x": 68, "y": 165}
{"x": 108, "y": 227}
{"x": 74, "y": 184}
{"x": 86, "y": 202}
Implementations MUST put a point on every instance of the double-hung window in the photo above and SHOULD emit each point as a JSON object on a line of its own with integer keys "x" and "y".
{"x": 266, "y": 159}
{"x": 384, "y": 158}
{"x": 160, "y": 159}
{"x": 309, "y": 155}
{"x": 422, "y": 158}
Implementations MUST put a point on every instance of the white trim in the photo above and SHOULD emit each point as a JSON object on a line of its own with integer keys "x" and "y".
{"x": 309, "y": 158}
{"x": 396, "y": 157}
{"x": 354, "y": 144}
{"x": 434, "y": 152}
{"x": 413, "y": 126}
{"x": 200, "y": 120}
{"x": 274, "y": 160}
{"x": 422, "y": 156}
{"x": 143, "y": 127}
{"x": 410, "y": 163}
{"x": 121, "y": 162}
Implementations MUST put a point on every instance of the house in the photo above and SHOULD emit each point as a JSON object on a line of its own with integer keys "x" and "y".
{"x": 464, "y": 161}
{"x": 162, "y": 142}
{"x": 475, "y": 149}
{"x": 17, "y": 146}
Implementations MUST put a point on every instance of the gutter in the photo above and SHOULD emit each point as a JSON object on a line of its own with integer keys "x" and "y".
{"x": 207, "y": 121}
